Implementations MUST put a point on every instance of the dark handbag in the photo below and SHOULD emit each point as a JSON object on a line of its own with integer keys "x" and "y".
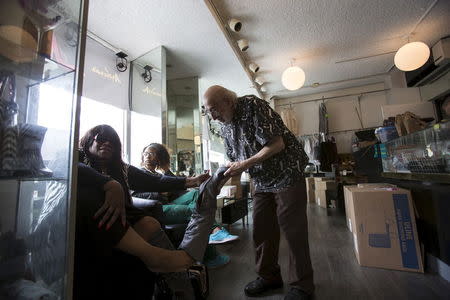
{"x": 198, "y": 274}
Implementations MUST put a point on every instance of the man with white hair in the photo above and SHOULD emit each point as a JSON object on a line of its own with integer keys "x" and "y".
{"x": 256, "y": 139}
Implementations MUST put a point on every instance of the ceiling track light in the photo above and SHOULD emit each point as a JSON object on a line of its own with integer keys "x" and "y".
{"x": 259, "y": 80}
{"x": 121, "y": 61}
{"x": 147, "y": 75}
{"x": 253, "y": 67}
{"x": 235, "y": 25}
{"x": 263, "y": 89}
{"x": 243, "y": 44}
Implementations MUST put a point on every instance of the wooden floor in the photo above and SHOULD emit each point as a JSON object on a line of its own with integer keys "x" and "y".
{"x": 336, "y": 271}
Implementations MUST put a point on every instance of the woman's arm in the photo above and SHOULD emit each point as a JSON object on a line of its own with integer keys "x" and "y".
{"x": 89, "y": 176}
{"x": 142, "y": 181}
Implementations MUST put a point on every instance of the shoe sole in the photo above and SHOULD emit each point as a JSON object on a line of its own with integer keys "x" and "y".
{"x": 223, "y": 241}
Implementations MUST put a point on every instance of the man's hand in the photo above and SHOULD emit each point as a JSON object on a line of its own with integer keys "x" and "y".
{"x": 197, "y": 180}
{"x": 114, "y": 205}
{"x": 236, "y": 168}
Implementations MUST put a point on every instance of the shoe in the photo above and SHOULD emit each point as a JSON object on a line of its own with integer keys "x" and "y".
{"x": 209, "y": 190}
{"x": 219, "y": 261}
{"x": 222, "y": 236}
{"x": 260, "y": 285}
{"x": 297, "y": 294}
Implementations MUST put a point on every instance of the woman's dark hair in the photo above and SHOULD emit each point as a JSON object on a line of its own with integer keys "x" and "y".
{"x": 162, "y": 155}
{"x": 116, "y": 167}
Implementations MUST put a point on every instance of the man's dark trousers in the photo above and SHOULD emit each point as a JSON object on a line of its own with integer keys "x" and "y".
{"x": 285, "y": 209}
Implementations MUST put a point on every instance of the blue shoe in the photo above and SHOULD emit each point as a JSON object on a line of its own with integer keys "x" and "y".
{"x": 219, "y": 261}
{"x": 222, "y": 236}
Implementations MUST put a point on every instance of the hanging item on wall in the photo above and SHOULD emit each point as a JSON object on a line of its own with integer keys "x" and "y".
{"x": 289, "y": 119}
{"x": 323, "y": 119}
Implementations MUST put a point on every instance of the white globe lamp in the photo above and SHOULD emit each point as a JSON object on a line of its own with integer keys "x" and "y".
{"x": 293, "y": 78}
{"x": 411, "y": 56}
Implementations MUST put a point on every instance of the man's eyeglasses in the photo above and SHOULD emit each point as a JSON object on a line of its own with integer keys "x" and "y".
{"x": 211, "y": 112}
{"x": 147, "y": 154}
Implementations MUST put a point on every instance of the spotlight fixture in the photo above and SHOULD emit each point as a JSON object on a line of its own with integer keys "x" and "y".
{"x": 259, "y": 80}
{"x": 253, "y": 67}
{"x": 235, "y": 25}
{"x": 121, "y": 61}
{"x": 147, "y": 75}
{"x": 411, "y": 56}
{"x": 263, "y": 89}
{"x": 243, "y": 44}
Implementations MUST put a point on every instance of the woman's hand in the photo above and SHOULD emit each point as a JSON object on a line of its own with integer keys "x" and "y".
{"x": 114, "y": 205}
{"x": 197, "y": 180}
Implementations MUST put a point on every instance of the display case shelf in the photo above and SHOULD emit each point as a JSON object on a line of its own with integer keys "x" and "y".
{"x": 37, "y": 68}
{"x": 422, "y": 152}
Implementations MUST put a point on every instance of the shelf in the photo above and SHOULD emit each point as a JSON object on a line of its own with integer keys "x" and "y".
{"x": 23, "y": 178}
{"x": 431, "y": 177}
{"x": 29, "y": 64}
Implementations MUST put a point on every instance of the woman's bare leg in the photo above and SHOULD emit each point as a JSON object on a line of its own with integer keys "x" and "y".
{"x": 147, "y": 227}
{"x": 155, "y": 258}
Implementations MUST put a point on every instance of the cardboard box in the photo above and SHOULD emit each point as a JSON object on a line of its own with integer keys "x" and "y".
{"x": 375, "y": 185}
{"x": 236, "y": 181}
{"x": 348, "y": 199}
{"x": 310, "y": 189}
{"x": 321, "y": 198}
{"x": 311, "y": 196}
{"x": 325, "y": 185}
{"x": 320, "y": 179}
{"x": 384, "y": 232}
{"x": 349, "y": 206}
{"x": 228, "y": 191}
{"x": 309, "y": 182}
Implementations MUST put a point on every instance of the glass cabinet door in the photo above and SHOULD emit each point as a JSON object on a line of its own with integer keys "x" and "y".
{"x": 39, "y": 46}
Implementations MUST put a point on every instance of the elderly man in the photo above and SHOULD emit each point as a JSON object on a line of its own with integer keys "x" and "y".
{"x": 256, "y": 139}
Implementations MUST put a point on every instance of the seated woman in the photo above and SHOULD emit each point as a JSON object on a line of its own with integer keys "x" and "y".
{"x": 103, "y": 194}
{"x": 178, "y": 205}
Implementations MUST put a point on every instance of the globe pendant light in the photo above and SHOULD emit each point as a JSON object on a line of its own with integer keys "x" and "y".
{"x": 293, "y": 78}
{"x": 411, "y": 56}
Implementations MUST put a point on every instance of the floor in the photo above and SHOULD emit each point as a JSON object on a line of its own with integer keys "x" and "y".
{"x": 336, "y": 271}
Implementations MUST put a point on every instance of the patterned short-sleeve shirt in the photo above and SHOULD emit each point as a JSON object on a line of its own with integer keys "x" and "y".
{"x": 254, "y": 124}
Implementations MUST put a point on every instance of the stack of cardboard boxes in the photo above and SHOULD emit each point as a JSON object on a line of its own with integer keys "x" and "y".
{"x": 323, "y": 188}
{"x": 381, "y": 218}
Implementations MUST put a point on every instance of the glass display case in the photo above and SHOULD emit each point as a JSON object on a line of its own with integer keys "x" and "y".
{"x": 39, "y": 75}
{"x": 425, "y": 151}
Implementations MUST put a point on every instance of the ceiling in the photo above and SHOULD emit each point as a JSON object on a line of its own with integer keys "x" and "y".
{"x": 319, "y": 33}
{"x": 316, "y": 33}
{"x": 195, "y": 45}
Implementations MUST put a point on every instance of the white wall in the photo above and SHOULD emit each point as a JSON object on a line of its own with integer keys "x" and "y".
{"x": 343, "y": 119}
